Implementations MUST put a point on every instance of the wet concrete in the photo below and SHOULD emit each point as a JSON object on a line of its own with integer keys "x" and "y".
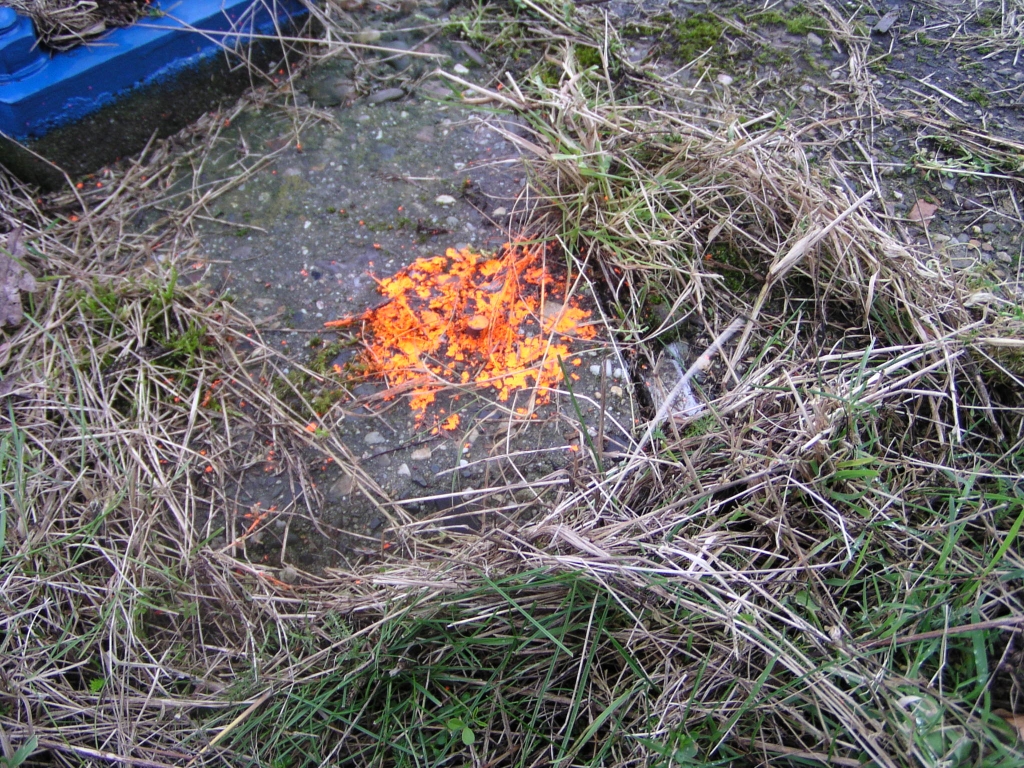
{"x": 302, "y": 242}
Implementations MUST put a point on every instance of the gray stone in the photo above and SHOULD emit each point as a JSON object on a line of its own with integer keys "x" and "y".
{"x": 331, "y": 91}
{"x": 341, "y": 488}
{"x": 989, "y": 228}
{"x": 388, "y": 94}
{"x": 473, "y": 55}
{"x": 397, "y": 61}
{"x": 814, "y": 40}
{"x": 885, "y": 23}
{"x": 373, "y": 438}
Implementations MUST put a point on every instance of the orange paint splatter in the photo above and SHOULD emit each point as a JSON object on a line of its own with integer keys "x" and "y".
{"x": 465, "y": 318}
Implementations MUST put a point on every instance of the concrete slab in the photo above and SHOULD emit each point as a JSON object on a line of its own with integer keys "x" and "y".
{"x": 307, "y": 240}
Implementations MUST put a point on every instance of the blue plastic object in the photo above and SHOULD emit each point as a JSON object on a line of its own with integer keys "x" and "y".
{"x": 40, "y": 91}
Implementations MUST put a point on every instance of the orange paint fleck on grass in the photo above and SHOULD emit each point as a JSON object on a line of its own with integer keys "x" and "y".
{"x": 469, "y": 319}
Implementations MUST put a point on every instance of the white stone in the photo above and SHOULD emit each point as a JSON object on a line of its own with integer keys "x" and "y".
{"x": 420, "y": 454}
{"x": 403, "y": 470}
{"x": 724, "y": 79}
{"x": 373, "y": 438}
{"x": 460, "y": 69}
{"x": 444, "y": 200}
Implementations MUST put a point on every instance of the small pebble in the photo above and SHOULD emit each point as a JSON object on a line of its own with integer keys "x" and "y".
{"x": 616, "y": 390}
{"x": 885, "y": 23}
{"x": 460, "y": 69}
{"x": 388, "y": 94}
{"x": 724, "y": 79}
{"x": 373, "y": 438}
{"x": 367, "y": 36}
{"x": 444, "y": 200}
{"x": 473, "y": 55}
{"x": 595, "y": 370}
{"x": 814, "y": 40}
{"x": 498, "y": 212}
{"x": 289, "y": 575}
{"x": 1004, "y": 257}
{"x": 420, "y": 454}
{"x": 343, "y": 487}
{"x": 404, "y": 471}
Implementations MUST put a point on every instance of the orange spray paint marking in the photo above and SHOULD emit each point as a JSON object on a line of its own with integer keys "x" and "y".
{"x": 465, "y": 318}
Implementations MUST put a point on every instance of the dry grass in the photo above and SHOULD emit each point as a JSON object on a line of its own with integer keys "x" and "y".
{"x": 65, "y": 24}
{"x": 820, "y": 570}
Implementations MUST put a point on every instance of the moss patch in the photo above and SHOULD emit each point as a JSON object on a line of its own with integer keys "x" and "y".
{"x": 694, "y": 35}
